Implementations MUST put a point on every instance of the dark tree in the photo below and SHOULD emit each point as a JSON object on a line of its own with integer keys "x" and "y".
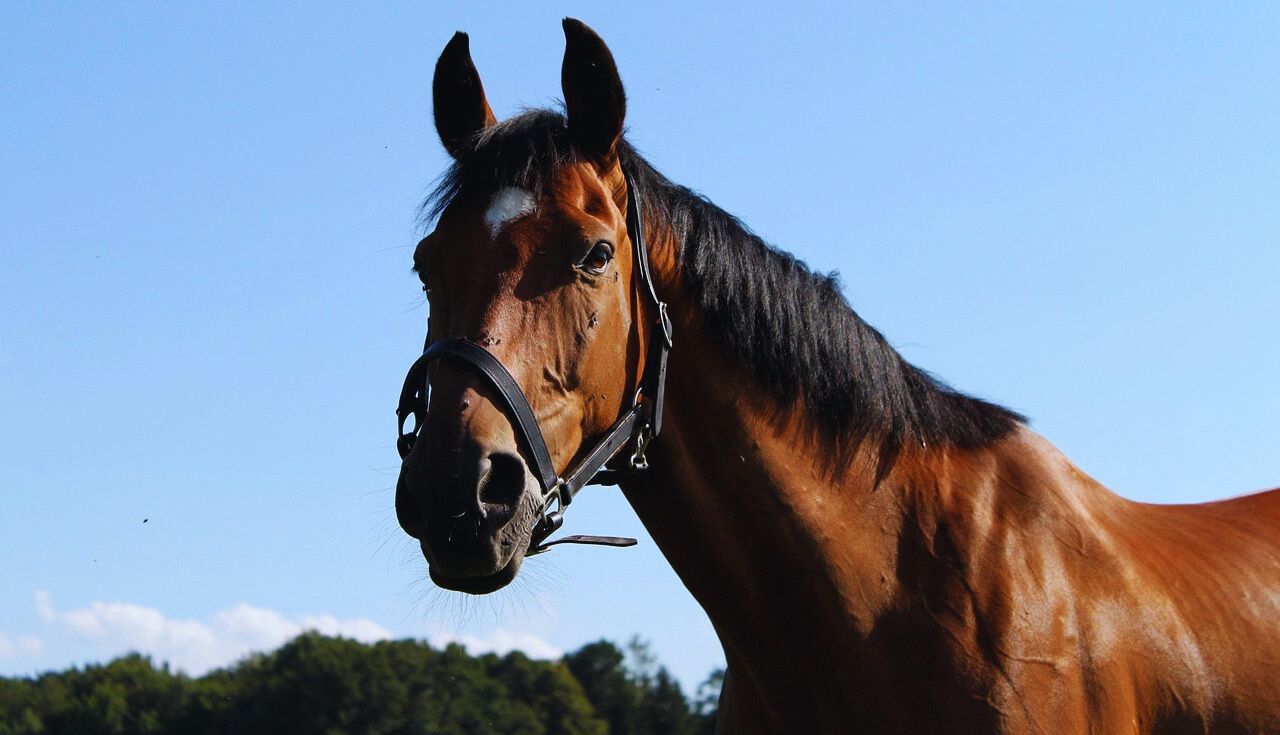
{"x": 630, "y": 691}
{"x": 707, "y": 702}
{"x": 336, "y": 686}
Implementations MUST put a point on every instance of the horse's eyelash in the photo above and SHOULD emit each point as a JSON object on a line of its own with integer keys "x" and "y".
{"x": 421, "y": 276}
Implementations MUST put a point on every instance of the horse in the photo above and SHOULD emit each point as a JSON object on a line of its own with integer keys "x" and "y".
{"x": 877, "y": 552}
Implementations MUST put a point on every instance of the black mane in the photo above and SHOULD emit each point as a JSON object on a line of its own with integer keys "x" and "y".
{"x": 790, "y": 326}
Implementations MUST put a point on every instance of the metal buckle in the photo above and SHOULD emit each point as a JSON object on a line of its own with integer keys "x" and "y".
{"x": 638, "y": 460}
{"x": 559, "y": 494}
{"x": 551, "y": 520}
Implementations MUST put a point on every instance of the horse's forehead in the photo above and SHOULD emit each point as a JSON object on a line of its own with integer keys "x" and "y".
{"x": 573, "y": 198}
{"x": 507, "y": 205}
{"x": 561, "y": 198}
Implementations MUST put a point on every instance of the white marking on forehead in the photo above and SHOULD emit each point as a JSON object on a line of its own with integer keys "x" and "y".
{"x": 507, "y": 204}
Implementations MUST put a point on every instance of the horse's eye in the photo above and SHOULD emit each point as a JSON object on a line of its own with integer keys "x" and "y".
{"x": 598, "y": 259}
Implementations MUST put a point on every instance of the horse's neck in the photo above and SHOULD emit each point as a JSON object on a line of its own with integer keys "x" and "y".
{"x": 776, "y": 531}
{"x": 736, "y": 501}
{"x": 742, "y": 501}
{"x": 741, "y": 498}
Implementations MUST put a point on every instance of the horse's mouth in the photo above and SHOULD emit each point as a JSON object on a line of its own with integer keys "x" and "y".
{"x": 482, "y": 585}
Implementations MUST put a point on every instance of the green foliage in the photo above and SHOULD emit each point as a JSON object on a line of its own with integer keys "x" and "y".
{"x": 128, "y": 695}
{"x": 336, "y": 686}
{"x": 633, "y": 693}
{"x": 707, "y": 702}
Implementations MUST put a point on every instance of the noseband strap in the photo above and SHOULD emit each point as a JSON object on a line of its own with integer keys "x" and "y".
{"x": 637, "y": 424}
{"x": 509, "y": 390}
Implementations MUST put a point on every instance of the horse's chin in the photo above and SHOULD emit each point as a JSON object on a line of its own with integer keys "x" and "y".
{"x": 481, "y": 585}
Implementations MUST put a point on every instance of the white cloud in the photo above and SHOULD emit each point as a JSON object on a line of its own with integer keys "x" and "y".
{"x": 502, "y": 641}
{"x": 25, "y": 645}
{"x": 226, "y": 636}
{"x": 195, "y": 646}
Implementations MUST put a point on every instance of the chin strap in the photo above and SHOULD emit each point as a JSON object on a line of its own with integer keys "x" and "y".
{"x": 637, "y": 425}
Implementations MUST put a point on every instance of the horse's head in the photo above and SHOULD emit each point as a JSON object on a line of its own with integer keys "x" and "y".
{"x": 531, "y": 259}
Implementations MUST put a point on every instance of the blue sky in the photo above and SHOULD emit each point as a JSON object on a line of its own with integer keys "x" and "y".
{"x": 206, "y": 307}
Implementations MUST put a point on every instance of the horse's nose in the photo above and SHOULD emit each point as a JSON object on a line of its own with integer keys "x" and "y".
{"x": 464, "y": 496}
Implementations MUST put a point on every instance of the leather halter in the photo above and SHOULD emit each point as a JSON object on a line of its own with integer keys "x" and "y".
{"x": 637, "y": 425}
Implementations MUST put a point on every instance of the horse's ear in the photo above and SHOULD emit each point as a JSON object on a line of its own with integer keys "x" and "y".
{"x": 593, "y": 93}
{"x": 458, "y": 97}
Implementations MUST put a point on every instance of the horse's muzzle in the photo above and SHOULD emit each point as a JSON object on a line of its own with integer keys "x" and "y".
{"x": 461, "y": 505}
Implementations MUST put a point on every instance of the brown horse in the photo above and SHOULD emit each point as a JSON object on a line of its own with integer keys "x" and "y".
{"x": 877, "y": 552}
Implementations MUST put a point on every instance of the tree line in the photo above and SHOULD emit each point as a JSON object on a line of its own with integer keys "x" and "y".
{"x": 337, "y": 686}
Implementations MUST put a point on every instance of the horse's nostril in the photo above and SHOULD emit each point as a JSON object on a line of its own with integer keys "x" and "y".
{"x": 503, "y": 484}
